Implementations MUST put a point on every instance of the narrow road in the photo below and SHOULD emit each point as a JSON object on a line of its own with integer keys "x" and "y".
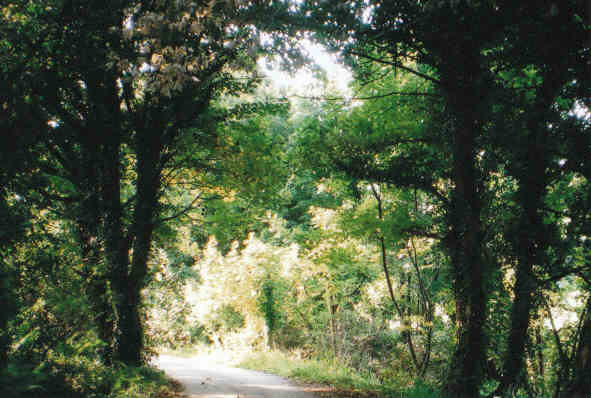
{"x": 203, "y": 379}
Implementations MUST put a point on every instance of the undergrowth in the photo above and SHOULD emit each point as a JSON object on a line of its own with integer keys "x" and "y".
{"x": 72, "y": 369}
{"x": 73, "y": 381}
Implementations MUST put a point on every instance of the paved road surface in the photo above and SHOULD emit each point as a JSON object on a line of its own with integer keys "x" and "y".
{"x": 204, "y": 379}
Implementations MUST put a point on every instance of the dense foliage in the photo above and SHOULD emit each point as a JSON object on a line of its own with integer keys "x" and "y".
{"x": 430, "y": 229}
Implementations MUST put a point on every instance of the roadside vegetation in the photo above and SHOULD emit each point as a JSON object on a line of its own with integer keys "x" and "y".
{"x": 339, "y": 380}
{"x": 76, "y": 375}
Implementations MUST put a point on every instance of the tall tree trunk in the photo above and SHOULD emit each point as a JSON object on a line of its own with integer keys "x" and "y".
{"x": 520, "y": 318}
{"x": 127, "y": 276}
{"x": 131, "y": 337}
{"x": 580, "y": 387}
{"x": 467, "y": 364}
{"x": 96, "y": 283}
{"x": 117, "y": 246}
{"x": 7, "y": 297}
{"x": 532, "y": 234}
{"x": 8, "y": 301}
{"x": 117, "y": 243}
{"x": 89, "y": 220}
{"x": 105, "y": 128}
{"x": 465, "y": 240}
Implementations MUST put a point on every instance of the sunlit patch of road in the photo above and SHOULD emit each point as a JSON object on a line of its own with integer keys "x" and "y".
{"x": 203, "y": 378}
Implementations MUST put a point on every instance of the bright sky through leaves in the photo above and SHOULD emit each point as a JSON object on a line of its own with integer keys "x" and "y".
{"x": 304, "y": 82}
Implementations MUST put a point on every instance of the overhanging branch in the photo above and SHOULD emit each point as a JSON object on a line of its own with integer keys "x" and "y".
{"x": 180, "y": 213}
{"x": 396, "y": 64}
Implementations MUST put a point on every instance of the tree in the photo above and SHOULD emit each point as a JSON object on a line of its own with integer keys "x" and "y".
{"x": 447, "y": 44}
{"x": 542, "y": 74}
{"x": 113, "y": 89}
{"x": 579, "y": 387}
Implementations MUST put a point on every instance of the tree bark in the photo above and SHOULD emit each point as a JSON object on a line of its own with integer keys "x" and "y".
{"x": 7, "y": 296}
{"x": 117, "y": 247}
{"x": 105, "y": 138}
{"x": 96, "y": 281}
{"x": 116, "y": 243}
{"x": 466, "y": 371}
{"x": 580, "y": 387}
{"x": 532, "y": 235}
{"x": 8, "y": 311}
{"x": 89, "y": 219}
{"x": 465, "y": 240}
{"x": 131, "y": 334}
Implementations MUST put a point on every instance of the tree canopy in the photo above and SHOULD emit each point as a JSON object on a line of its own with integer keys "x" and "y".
{"x": 156, "y": 191}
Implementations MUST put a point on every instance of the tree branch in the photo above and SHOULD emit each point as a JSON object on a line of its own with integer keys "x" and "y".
{"x": 398, "y": 65}
{"x": 180, "y": 213}
{"x": 370, "y": 97}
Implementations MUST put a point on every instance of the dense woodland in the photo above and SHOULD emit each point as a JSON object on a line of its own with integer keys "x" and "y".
{"x": 430, "y": 226}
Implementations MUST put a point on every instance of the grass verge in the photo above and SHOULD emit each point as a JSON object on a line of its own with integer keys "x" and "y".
{"x": 344, "y": 382}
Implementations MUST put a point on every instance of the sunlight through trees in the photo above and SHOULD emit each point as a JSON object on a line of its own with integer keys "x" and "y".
{"x": 418, "y": 215}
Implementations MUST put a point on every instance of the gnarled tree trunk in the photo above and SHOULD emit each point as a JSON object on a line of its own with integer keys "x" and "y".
{"x": 131, "y": 334}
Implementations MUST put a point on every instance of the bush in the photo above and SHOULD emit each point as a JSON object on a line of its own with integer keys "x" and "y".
{"x": 73, "y": 369}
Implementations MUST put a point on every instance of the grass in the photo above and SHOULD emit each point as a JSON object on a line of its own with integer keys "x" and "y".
{"x": 345, "y": 382}
{"x": 309, "y": 371}
{"x": 131, "y": 382}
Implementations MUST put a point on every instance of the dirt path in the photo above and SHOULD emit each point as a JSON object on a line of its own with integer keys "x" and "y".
{"x": 204, "y": 379}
